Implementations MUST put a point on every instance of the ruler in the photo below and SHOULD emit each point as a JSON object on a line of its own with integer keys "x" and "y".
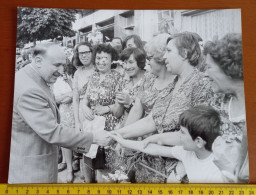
{"x": 128, "y": 189}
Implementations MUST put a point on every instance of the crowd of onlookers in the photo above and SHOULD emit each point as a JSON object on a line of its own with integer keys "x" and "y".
{"x": 174, "y": 107}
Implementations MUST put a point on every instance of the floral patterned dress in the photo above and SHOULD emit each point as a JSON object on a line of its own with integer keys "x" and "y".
{"x": 103, "y": 93}
{"x": 195, "y": 90}
{"x": 148, "y": 96}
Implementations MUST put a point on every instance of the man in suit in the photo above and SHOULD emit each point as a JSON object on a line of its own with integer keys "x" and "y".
{"x": 36, "y": 129}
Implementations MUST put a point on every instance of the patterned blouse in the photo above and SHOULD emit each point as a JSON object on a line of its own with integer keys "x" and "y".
{"x": 195, "y": 90}
{"x": 149, "y": 94}
{"x": 103, "y": 93}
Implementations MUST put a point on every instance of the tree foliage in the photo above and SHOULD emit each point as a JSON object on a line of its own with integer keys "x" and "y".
{"x": 35, "y": 24}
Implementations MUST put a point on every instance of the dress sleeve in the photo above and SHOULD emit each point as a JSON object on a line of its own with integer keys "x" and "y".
{"x": 202, "y": 93}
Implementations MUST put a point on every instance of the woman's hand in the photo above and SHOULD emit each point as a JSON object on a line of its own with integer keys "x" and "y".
{"x": 148, "y": 140}
{"x": 116, "y": 136}
{"x": 88, "y": 113}
{"x": 123, "y": 98}
{"x": 100, "y": 110}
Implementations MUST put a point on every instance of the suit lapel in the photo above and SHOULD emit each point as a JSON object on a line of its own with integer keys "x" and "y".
{"x": 32, "y": 73}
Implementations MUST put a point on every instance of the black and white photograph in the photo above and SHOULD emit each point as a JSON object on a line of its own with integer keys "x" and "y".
{"x": 128, "y": 96}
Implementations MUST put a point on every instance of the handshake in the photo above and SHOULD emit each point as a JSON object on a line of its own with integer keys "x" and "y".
{"x": 103, "y": 138}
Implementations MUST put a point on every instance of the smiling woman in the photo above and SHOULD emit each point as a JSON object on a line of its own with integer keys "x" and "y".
{"x": 100, "y": 97}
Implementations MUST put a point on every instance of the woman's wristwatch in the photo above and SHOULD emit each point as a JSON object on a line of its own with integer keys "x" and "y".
{"x": 128, "y": 107}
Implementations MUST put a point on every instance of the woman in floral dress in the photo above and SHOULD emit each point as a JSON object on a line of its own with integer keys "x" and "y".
{"x": 155, "y": 84}
{"x": 190, "y": 88}
{"x": 100, "y": 95}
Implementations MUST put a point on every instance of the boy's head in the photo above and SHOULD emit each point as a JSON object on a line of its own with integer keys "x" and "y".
{"x": 200, "y": 126}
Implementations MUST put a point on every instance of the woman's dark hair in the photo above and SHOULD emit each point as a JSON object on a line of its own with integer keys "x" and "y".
{"x": 107, "y": 49}
{"x": 228, "y": 54}
{"x": 189, "y": 42}
{"x": 138, "y": 54}
{"x": 77, "y": 61}
{"x": 202, "y": 121}
{"x": 137, "y": 40}
{"x": 119, "y": 39}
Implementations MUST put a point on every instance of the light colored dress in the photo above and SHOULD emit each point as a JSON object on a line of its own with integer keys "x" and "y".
{"x": 61, "y": 86}
{"x": 80, "y": 81}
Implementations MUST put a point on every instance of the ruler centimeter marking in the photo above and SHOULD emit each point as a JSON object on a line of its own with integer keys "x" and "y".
{"x": 128, "y": 189}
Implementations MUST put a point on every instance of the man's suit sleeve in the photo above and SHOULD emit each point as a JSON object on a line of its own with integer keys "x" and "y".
{"x": 35, "y": 110}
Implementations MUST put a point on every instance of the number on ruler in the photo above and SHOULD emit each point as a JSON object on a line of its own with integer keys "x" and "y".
{"x": 98, "y": 191}
{"x": 160, "y": 192}
{"x": 109, "y": 191}
{"x": 139, "y": 191}
{"x": 170, "y": 192}
{"x": 231, "y": 192}
{"x": 211, "y": 192}
{"x": 180, "y": 191}
{"x": 6, "y": 191}
{"x": 200, "y": 192}
{"x": 88, "y": 191}
{"x": 149, "y": 191}
{"x": 47, "y": 191}
{"x": 78, "y": 191}
{"x": 119, "y": 191}
{"x": 129, "y": 191}
{"x": 251, "y": 192}
{"x": 57, "y": 191}
{"x": 241, "y": 192}
{"x": 220, "y": 192}
{"x": 27, "y": 191}
{"x": 190, "y": 191}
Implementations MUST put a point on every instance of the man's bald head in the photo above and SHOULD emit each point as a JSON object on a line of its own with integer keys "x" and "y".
{"x": 49, "y": 59}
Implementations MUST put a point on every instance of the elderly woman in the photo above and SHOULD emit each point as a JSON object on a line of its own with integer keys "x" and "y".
{"x": 100, "y": 95}
{"x": 191, "y": 88}
{"x": 225, "y": 67}
{"x": 155, "y": 84}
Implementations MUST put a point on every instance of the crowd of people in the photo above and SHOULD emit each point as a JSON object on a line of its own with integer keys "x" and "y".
{"x": 175, "y": 110}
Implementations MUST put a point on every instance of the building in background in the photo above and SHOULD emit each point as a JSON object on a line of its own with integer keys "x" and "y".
{"x": 209, "y": 24}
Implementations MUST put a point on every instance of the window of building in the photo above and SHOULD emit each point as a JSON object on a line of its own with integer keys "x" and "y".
{"x": 165, "y": 16}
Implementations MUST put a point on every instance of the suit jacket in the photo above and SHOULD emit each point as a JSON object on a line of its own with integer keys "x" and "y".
{"x": 36, "y": 131}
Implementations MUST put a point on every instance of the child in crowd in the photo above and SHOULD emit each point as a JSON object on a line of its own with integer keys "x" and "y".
{"x": 199, "y": 127}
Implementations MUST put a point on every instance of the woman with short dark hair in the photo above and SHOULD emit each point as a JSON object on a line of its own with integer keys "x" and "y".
{"x": 99, "y": 99}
